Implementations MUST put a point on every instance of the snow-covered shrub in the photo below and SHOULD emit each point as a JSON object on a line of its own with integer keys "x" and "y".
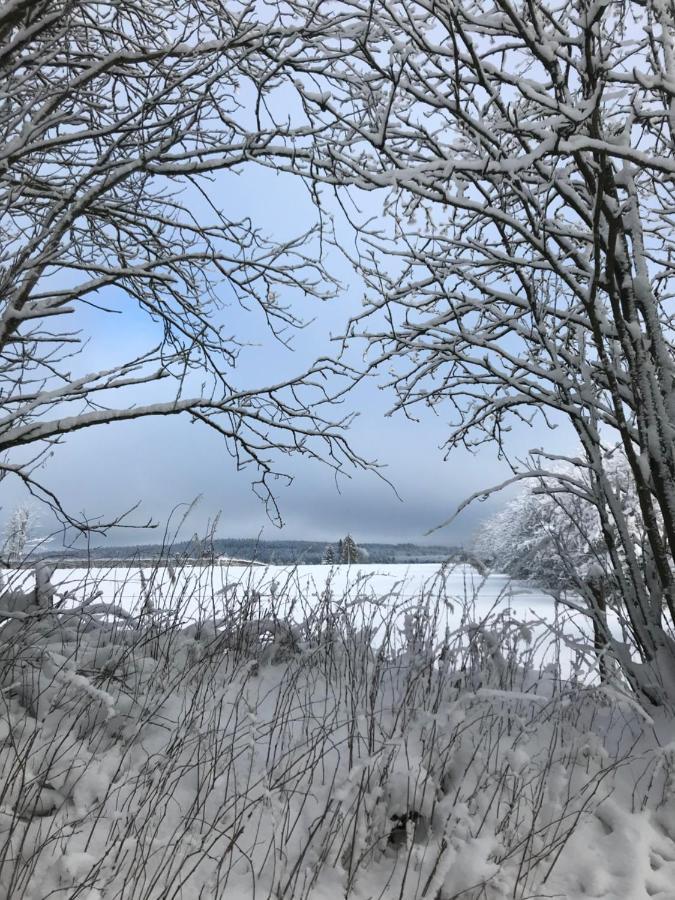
{"x": 551, "y": 531}
{"x": 333, "y": 747}
{"x": 556, "y": 533}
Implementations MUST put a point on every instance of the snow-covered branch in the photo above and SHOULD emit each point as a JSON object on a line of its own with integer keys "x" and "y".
{"x": 112, "y": 120}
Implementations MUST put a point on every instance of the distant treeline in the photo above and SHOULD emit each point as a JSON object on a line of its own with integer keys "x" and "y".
{"x": 272, "y": 552}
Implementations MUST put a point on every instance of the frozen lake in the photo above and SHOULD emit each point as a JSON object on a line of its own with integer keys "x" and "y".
{"x": 207, "y": 590}
{"x": 363, "y": 594}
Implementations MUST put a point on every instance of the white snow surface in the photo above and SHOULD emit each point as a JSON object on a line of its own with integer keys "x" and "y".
{"x": 208, "y": 733}
{"x": 206, "y": 593}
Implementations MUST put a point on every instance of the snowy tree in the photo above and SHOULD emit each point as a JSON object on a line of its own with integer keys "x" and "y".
{"x": 551, "y": 531}
{"x": 17, "y": 535}
{"x": 349, "y": 552}
{"x": 113, "y": 118}
{"x": 551, "y": 534}
{"x": 329, "y": 555}
{"x": 526, "y": 155}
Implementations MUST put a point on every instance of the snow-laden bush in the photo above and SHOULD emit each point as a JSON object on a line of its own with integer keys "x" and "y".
{"x": 555, "y": 533}
{"x": 551, "y": 532}
{"x": 281, "y": 749}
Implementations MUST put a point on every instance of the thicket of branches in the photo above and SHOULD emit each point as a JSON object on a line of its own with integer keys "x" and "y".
{"x": 524, "y": 153}
{"x": 113, "y": 116}
{"x": 522, "y": 156}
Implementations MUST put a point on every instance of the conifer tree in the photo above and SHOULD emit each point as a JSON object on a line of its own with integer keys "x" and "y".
{"x": 350, "y": 552}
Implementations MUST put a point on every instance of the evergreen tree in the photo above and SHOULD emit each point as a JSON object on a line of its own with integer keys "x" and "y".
{"x": 350, "y": 552}
{"x": 329, "y": 555}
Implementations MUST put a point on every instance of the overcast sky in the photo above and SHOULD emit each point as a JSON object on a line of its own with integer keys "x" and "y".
{"x": 162, "y": 463}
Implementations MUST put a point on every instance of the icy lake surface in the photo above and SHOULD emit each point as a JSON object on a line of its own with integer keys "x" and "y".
{"x": 395, "y": 585}
{"x": 368, "y": 594}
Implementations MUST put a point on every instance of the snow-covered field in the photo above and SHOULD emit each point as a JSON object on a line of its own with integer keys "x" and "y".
{"x": 361, "y": 733}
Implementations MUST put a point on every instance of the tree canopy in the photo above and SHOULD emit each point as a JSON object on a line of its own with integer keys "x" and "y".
{"x": 114, "y": 116}
{"x": 507, "y": 173}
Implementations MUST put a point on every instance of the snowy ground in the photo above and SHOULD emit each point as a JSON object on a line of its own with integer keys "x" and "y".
{"x": 208, "y": 734}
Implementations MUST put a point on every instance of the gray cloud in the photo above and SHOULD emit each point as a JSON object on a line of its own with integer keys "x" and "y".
{"x": 166, "y": 462}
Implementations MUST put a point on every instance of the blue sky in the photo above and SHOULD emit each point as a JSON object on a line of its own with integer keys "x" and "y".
{"x": 164, "y": 462}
